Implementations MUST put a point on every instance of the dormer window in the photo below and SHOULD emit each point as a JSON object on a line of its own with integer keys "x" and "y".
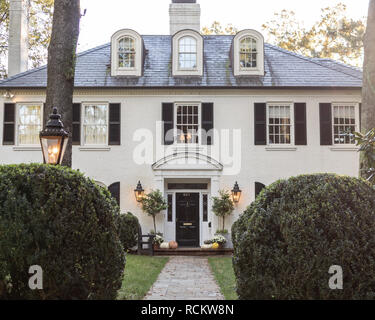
{"x": 127, "y": 53}
{"x": 187, "y": 53}
{"x": 248, "y": 53}
{"x": 187, "y": 59}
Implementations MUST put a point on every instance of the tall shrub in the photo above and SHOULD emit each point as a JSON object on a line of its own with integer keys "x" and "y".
{"x": 296, "y": 229}
{"x": 128, "y": 225}
{"x": 54, "y": 217}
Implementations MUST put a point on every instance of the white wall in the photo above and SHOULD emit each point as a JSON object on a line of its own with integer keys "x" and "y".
{"x": 233, "y": 109}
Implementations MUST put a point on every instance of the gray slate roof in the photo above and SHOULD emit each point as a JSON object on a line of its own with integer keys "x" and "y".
{"x": 282, "y": 69}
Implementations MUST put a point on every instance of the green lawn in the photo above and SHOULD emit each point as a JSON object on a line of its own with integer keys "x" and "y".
{"x": 224, "y": 275}
{"x": 140, "y": 273}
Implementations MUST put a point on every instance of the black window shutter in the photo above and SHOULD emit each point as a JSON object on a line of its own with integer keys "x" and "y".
{"x": 76, "y": 125}
{"x": 114, "y": 189}
{"x": 360, "y": 117}
{"x": 114, "y": 124}
{"x": 260, "y": 124}
{"x": 9, "y": 123}
{"x": 208, "y": 123}
{"x": 300, "y": 132}
{"x": 258, "y": 188}
{"x": 167, "y": 118}
{"x": 325, "y": 113}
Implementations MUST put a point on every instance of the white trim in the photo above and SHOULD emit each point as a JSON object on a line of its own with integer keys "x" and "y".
{"x": 280, "y": 148}
{"x": 283, "y": 146}
{"x": 259, "y": 70}
{"x": 24, "y": 148}
{"x": 176, "y": 71}
{"x": 115, "y": 69}
{"x": 92, "y": 146}
{"x": 357, "y": 119}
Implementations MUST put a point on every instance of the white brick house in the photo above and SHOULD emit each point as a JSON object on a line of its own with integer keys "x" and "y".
{"x": 190, "y": 115}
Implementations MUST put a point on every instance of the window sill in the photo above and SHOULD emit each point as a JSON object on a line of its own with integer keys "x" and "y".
{"x": 26, "y": 148}
{"x": 188, "y": 148}
{"x": 344, "y": 148}
{"x": 281, "y": 148}
{"x": 93, "y": 148}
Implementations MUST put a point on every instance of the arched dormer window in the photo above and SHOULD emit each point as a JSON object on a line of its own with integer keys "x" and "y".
{"x": 248, "y": 53}
{"x": 127, "y": 53}
{"x": 187, "y": 53}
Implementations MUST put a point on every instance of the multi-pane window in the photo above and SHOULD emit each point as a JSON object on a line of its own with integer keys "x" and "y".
{"x": 279, "y": 124}
{"x": 126, "y": 52}
{"x": 187, "y": 57}
{"x": 187, "y": 123}
{"x": 29, "y": 123}
{"x": 95, "y": 125}
{"x": 343, "y": 124}
{"x": 248, "y": 53}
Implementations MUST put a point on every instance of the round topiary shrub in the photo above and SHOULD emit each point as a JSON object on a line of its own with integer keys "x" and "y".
{"x": 296, "y": 229}
{"x": 54, "y": 217}
{"x": 128, "y": 228}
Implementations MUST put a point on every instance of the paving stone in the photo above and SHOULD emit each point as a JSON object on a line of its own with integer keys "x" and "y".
{"x": 185, "y": 278}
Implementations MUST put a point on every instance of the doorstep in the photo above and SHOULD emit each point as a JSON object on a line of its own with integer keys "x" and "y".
{"x": 193, "y": 252}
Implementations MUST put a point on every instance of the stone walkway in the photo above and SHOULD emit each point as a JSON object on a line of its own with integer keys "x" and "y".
{"x": 185, "y": 278}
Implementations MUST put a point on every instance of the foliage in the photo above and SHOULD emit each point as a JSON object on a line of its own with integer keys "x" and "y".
{"x": 287, "y": 239}
{"x": 366, "y": 143}
{"x": 224, "y": 231}
{"x": 223, "y": 271}
{"x": 216, "y": 239}
{"x": 140, "y": 274}
{"x": 40, "y": 25}
{"x": 216, "y": 28}
{"x": 153, "y": 203}
{"x": 158, "y": 239}
{"x": 56, "y": 218}
{"x": 334, "y": 36}
{"x": 128, "y": 228}
{"x": 223, "y": 205}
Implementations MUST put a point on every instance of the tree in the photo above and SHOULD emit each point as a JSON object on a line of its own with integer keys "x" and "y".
{"x": 61, "y": 65}
{"x": 368, "y": 97}
{"x": 222, "y": 206}
{"x": 216, "y": 28}
{"x": 40, "y": 24}
{"x": 153, "y": 203}
{"x": 334, "y": 36}
{"x": 366, "y": 143}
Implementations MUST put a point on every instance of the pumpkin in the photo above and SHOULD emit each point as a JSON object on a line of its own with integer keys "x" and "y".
{"x": 173, "y": 245}
{"x": 215, "y": 245}
{"x": 164, "y": 245}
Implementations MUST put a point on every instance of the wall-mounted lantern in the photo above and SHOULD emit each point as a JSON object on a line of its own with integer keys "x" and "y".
{"x": 53, "y": 139}
{"x": 236, "y": 193}
{"x": 139, "y": 192}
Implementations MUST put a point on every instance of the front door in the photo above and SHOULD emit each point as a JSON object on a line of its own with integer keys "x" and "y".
{"x": 187, "y": 219}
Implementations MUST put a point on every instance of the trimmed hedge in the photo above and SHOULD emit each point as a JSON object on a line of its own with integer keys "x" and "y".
{"x": 56, "y": 218}
{"x": 128, "y": 228}
{"x": 287, "y": 239}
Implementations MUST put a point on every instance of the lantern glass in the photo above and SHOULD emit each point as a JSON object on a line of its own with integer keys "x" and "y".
{"x": 139, "y": 195}
{"x": 236, "y": 196}
{"x": 53, "y": 148}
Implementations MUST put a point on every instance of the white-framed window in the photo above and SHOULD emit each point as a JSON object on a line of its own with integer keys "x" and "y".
{"x": 279, "y": 124}
{"x": 344, "y": 123}
{"x": 29, "y": 123}
{"x": 187, "y": 53}
{"x": 248, "y": 53}
{"x": 126, "y": 52}
{"x": 187, "y": 123}
{"x": 95, "y": 123}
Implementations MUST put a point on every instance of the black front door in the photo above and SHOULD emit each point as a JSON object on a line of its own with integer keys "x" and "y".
{"x": 187, "y": 219}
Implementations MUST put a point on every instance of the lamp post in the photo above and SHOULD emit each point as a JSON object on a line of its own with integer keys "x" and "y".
{"x": 139, "y": 192}
{"x": 53, "y": 139}
{"x": 236, "y": 193}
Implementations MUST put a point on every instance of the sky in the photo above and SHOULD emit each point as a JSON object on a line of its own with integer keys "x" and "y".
{"x": 105, "y": 17}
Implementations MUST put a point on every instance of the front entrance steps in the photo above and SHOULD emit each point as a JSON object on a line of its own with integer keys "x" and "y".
{"x": 193, "y": 252}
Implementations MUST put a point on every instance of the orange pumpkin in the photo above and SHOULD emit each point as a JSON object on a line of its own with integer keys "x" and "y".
{"x": 173, "y": 245}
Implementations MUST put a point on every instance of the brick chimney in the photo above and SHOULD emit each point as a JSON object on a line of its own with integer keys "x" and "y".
{"x": 18, "y": 37}
{"x": 184, "y": 14}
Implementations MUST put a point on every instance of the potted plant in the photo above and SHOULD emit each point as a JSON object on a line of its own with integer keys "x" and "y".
{"x": 223, "y": 206}
{"x": 219, "y": 239}
{"x": 157, "y": 241}
{"x": 153, "y": 203}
